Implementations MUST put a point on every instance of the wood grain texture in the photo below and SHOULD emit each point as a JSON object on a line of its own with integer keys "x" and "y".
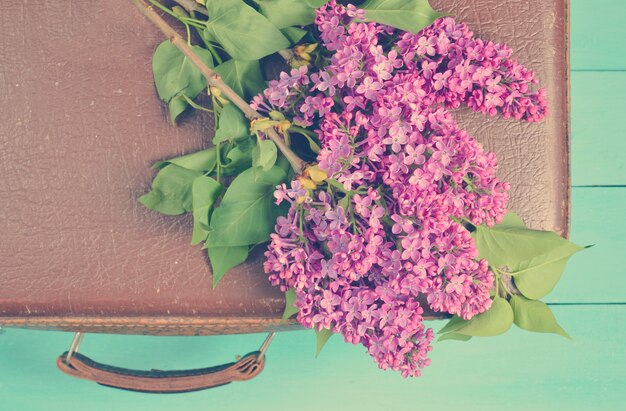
{"x": 598, "y": 127}
{"x": 518, "y": 371}
{"x": 598, "y": 33}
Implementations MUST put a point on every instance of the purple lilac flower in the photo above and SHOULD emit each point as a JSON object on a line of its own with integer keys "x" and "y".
{"x": 388, "y": 229}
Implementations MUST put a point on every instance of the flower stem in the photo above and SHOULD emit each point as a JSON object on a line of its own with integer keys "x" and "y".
{"x": 191, "y": 5}
{"x": 303, "y": 131}
{"x": 214, "y": 52}
{"x": 214, "y": 80}
{"x": 196, "y": 105}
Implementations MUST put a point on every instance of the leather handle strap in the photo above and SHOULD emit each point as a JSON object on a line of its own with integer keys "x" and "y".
{"x": 156, "y": 381}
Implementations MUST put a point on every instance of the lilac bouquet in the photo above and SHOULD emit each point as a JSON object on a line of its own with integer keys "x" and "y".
{"x": 378, "y": 208}
{"x": 400, "y": 181}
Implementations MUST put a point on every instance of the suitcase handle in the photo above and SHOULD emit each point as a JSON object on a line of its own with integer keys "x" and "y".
{"x": 157, "y": 381}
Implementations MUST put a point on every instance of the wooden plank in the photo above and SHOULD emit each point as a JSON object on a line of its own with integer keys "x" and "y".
{"x": 516, "y": 371}
{"x": 598, "y": 128}
{"x": 597, "y": 274}
{"x": 597, "y": 34}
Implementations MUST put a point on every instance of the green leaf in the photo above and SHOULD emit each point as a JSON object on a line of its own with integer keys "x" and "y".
{"x": 316, "y": 4}
{"x": 264, "y": 154}
{"x": 283, "y": 163}
{"x": 512, "y": 220}
{"x": 510, "y": 243}
{"x": 238, "y": 160}
{"x": 322, "y": 337}
{"x": 313, "y": 144}
{"x": 408, "y": 15}
{"x": 495, "y": 321}
{"x": 247, "y": 213}
{"x": 245, "y": 144}
{"x": 454, "y": 324}
{"x": 264, "y": 177}
{"x": 286, "y": 13}
{"x": 535, "y": 278}
{"x": 290, "y": 308}
{"x": 244, "y": 33}
{"x": 171, "y": 192}
{"x": 224, "y": 258}
{"x": 203, "y": 160}
{"x": 454, "y": 336}
{"x": 205, "y": 192}
{"x": 344, "y": 203}
{"x": 176, "y": 106}
{"x": 174, "y": 74}
{"x": 536, "y": 259}
{"x": 294, "y": 34}
{"x": 232, "y": 125}
{"x": 244, "y": 77}
{"x": 535, "y": 316}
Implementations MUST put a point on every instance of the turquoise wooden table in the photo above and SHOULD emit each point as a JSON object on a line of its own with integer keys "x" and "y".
{"x": 516, "y": 371}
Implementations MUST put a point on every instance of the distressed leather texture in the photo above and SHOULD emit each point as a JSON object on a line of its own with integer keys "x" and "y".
{"x": 81, "y": 124}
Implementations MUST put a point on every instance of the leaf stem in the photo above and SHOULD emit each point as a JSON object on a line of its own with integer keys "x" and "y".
{"x": 192, "y": 20}
{"x": 163, "y": 8}
{"x": 196, "y": 105}
{"x": 192, "y": 5}
{"x": 336, "y": 184}
{"x": 301, "y": 237}
{"x": 214, "y": 80}
{"x": 509, "y": 292}
{"x": 303, "y": 131}
{"x": 214, "y": 52}
{"x": 204, "y": 41}
{"x": 185, "y": 21}
{"x": 354, "y": 229}
{"x": 219, "y": 162}
{"x": 188, "y": 34}
{"x": 497, "y": 276}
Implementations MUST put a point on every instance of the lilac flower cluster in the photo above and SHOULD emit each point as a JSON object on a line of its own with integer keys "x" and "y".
{"x": 386, "y": 227}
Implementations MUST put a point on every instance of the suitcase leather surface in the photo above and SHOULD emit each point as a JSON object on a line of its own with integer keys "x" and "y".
{"x": 81, "y": 124}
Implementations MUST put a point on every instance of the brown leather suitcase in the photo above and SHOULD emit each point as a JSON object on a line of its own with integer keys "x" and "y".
{"x": 80, "y": 126}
